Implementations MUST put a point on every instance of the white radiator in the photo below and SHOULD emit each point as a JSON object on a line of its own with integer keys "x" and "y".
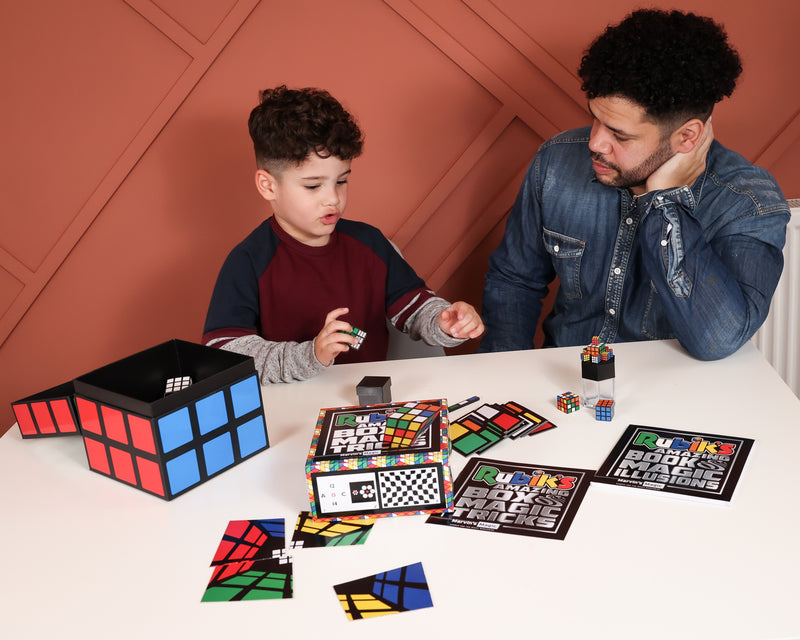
{"x": 779, "y": 337}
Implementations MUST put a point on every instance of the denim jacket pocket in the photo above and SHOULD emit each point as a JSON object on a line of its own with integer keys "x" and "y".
{"x": 566, "y": 254}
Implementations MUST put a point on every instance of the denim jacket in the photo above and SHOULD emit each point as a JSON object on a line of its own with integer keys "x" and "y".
{"x": 698, "y": 264}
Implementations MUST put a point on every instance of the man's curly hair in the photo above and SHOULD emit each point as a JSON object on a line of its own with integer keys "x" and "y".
{"x": 675, "y": 65}
{"x": 289, "y": 124}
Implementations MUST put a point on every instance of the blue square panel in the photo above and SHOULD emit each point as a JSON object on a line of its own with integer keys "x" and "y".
{"x": 416, "y": 598}
{"x": 246, "y": 396}
{"x": 212, "y": 412}
{"x": 175, "y": 429}
{"x": 218, "y": 453}
{"x": 183, "y": 471}
{"x": 390, "y": 592}
{"x": 252, "y": 436}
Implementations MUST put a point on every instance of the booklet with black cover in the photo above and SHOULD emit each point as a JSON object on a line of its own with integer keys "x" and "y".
{"x": 514, "y": 497}
{"x": 677, "y": 462}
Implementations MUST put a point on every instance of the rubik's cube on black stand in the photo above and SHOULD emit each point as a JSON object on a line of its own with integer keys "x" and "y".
{"x": 597, "y": 372}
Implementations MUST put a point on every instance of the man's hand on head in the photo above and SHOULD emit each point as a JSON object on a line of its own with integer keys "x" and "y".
{"x": 685, "y": 166}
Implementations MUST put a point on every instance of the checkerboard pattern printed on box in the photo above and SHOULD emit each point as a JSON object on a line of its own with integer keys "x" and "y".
{"x": 175, "y": 452}
{"x": 409, "y": 487}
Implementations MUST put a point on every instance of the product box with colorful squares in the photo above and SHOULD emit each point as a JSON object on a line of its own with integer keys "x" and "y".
{"x": 380, "y": 460}
{"x": 167, "y": 419}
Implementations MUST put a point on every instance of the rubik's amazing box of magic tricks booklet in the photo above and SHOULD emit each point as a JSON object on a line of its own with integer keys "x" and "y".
{"x": 380, "y": 460}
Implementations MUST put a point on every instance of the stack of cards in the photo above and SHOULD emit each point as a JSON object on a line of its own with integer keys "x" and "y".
{"x": 324, "y": 533}
{"x": 251, "y": 563}
{"x": 487, "y": 425}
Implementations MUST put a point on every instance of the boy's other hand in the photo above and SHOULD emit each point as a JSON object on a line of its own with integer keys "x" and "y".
{"x": 329, "y": 342}
{"x": 460, "y": 320}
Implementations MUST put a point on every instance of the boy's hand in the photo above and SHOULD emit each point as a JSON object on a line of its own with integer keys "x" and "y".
{"x": 460, "y": 320}
{"x": 329, "y": 342}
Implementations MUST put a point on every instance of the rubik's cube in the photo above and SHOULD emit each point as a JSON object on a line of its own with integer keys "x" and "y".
{"x": 568, "y": 402}
{"x": 408, "y": 421}
{"x": 597, "y": 351}
{"x": 168, "y": 444}
{"x": 357, "y": 333}
{"x": 604, "y": 410}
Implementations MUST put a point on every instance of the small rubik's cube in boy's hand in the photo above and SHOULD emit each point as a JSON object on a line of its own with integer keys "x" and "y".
{"x": 568, "y": 402}
{"x": 604, "y": 410}
{"x": 360, "y": 334}
{"x": 176, "y": 384}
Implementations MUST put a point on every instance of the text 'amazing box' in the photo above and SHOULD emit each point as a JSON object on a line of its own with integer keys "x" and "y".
{"x": 380, "y": 460}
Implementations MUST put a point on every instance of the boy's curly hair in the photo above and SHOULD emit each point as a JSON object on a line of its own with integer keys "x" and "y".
{"x": 289, "y": 124}
{"x": 675, "y": 65}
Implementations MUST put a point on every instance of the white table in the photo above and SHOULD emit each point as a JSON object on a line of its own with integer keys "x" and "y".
{"x": 87, "y": 557}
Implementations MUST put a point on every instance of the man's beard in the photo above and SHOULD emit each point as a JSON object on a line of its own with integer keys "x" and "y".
{"x": 637, "y": 176}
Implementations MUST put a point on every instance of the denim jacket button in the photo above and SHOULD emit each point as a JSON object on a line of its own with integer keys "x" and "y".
{"x": 611, "y": 312}
{"x": 617, "y": 270}
{"x": 555, "y": 249}
{"x": 629, "y": 221}
{"x": 663, "y": 243}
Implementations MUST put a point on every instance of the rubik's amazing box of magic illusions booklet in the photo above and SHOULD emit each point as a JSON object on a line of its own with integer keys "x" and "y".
{"x": 380, "y": 460}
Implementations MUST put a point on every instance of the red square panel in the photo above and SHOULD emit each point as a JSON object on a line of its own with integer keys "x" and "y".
{"x": 64, "y": 418}
{"x": 114, "y": 423}
{"x": 150, "y": 475}
{"x": 43, "y": 418}
{"x": 98, "y": 458}
{"x": 87, "y": 411}
{"x": 505, "y": 421}
{"x": 123, "y": 465}
{"x": 26, "y": 425}
{"x": 141, "y": 434}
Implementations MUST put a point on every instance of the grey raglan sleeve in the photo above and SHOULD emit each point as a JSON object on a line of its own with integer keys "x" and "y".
{"x": 424, "y": 324}
{"x": 278, "y": 361}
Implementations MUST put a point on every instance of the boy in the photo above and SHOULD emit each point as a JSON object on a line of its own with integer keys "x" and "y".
{"x": 287, "y": 294}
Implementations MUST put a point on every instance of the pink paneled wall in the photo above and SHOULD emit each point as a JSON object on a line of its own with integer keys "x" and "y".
{"x": 127, "y": 169}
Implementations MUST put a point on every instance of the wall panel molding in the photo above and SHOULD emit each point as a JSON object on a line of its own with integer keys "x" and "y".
{"x": 786, "y": 137}
{"x": 203, "y": 57}
{"x": 527, "y": 83}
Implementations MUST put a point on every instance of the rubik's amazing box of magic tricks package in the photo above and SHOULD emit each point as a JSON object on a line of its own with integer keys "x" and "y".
{"x": 380, "y": 460}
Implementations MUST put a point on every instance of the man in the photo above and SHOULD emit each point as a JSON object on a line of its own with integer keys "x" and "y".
{"x": 653, "y": 228}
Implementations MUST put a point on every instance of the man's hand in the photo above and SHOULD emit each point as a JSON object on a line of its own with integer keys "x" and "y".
{"x": 329, "y": 342}
{"x": 683, "y": 168}
{"x": 460, "y": 320}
